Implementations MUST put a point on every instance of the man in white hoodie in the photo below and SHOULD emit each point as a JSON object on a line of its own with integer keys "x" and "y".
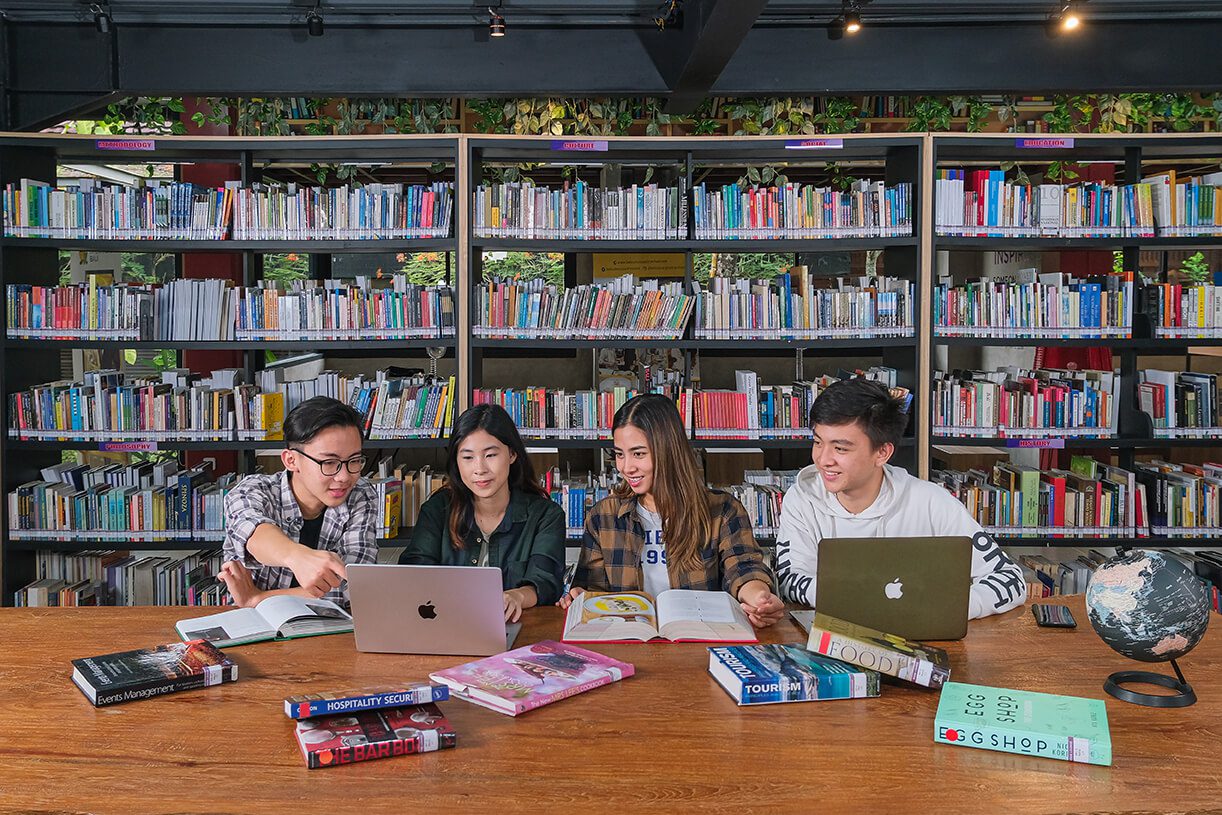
{"x": 850, "y": 491}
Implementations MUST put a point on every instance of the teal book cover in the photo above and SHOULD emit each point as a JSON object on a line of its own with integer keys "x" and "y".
{"x": 1069, "y": 728}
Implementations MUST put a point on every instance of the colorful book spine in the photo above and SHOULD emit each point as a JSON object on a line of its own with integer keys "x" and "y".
{"x": 329, "y": 741}
{"x": 351, "y": 701}
{"x": 1068, "y": 728}
{"x": 764, "y": 674}
{"x": 921, "y": 664}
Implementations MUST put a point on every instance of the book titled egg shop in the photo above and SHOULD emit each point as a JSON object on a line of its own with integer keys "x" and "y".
{"x": 1068, "y": 728}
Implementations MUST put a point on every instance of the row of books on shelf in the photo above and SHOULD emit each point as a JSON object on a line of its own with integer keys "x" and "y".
{"x": 1092, "y": 499}
{"x": 214, "y": 309}
{"x": 750, "y": 410}
{"x": 163, "y": 209}
{"x": 622, "y": 309}
{"x": 1191, "y": 310}
{"x": 1030, "y": 304}
{"x": 1180, "y": 404}
{"x": 1017, "y": 402}
{"x": 1053, "y": 575}
{"x": 110, "y": 406}
{"x": 799, "y": 305}
{"x": 579, "y": 211}
{"x": 120, "y": 578}
{"x": 867, "y": 209}
{"x": 983, "y": 203}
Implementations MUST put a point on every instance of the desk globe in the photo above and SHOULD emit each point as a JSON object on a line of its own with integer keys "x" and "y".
{"x": 1152, "y": 608}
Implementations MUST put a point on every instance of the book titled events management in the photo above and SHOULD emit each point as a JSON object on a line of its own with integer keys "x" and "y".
{"x": 678, "y": 615}
{"x": 532, "y": 676}
{"x": 148, "y": 672}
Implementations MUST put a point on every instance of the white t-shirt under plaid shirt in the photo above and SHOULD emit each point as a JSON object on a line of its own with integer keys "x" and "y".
{"x": 349, "y": 530}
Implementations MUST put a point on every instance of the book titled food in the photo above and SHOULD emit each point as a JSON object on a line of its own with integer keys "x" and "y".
{"x": 148, "y": 672}
{"x": 532, "y": 676}
{"x": 283, "y": 616}
{"x": 761, "y": 674}
{"x": 327, "y": 741}
{"x": 678, "y": 615}
{"x": 915, "y": 662}
{"x": 1069, "y": 728}
{"x": 307, "y": 705}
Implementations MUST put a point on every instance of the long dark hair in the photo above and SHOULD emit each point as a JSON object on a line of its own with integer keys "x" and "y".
{"x": 678, "y": 488}
{"x": 494, "y": 421}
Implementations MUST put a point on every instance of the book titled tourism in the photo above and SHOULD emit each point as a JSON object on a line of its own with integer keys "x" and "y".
{"x": 1069, "y": 728}
{"x": 762, "y": 674}
{"x": 345, "y": 738}
{"x": 678, "y": 615}
{"x": 129, "y": 675}
{"x": 915, "y": 662}
{"x": 281, "y": 617}
{"x": 532, "y": 676}
{"x": 325, "y": 703}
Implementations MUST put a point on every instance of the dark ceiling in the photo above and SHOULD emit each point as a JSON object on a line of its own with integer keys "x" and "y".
{"x": 57, "y": 62}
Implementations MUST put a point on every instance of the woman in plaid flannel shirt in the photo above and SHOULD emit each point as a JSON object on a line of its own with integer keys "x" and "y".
{"x": 663, "y": 528}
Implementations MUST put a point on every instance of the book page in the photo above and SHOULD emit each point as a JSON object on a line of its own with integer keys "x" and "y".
{"x": 712, "y": 616}
{"x": 240, "y": 624}
{"x": 604, "y": 616}
{"x": 316, "y": 614}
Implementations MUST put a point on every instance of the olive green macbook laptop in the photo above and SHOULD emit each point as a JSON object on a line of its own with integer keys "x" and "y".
{"x": 916, "y": 588}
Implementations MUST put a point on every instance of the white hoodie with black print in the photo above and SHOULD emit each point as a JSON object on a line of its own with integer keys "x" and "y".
{"x": 906, "y": 507}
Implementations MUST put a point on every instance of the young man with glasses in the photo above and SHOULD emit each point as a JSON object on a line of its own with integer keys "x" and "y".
{"x": 295, "y": 532}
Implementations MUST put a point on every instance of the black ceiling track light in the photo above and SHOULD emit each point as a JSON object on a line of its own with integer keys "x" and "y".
{"x": 102, "y": 20}
{"x": 496, "y": 23}
{"x": 1067, "y": 19}
{"x": 849, "y": 21}
{"x": 314, "y": 20}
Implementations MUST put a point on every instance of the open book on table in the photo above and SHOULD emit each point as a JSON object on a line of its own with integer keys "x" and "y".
{"x": 282, "y": 617}
{"x": 678, "y": 615}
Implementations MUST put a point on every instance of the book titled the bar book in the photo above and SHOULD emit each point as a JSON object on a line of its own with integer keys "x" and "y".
{"x": 324, "y": 703}
{"x": 915, "y": 662}
{"x": 327, "y": 741}
{"x": 760, "y": 674}
{"x": 129, "y": 675}
{"x": 1069, "y": 728}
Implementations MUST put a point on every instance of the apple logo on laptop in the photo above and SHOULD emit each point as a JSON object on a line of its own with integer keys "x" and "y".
{"x": 427, "y": 612}
{"x": 894, "y": 590}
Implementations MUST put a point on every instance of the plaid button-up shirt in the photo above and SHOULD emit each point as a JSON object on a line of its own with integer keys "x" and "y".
{"x": 349, "y": 530}
{"x": 614, "y": 540}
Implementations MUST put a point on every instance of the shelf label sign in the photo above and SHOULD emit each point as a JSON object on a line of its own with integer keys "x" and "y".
{"x": 127, "y": 446}
{"x": 814, "y": 144}
{"x": 126, "y": 144}
{"x": 1043, "y": 144}
{"x": 1041, "y": 444}
{"x": 579, "y": 145}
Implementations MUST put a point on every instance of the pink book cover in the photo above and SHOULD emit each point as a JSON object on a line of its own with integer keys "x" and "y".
{"x": 532, "y": 676}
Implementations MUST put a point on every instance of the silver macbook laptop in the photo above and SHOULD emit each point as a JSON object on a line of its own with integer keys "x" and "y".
{"x": 429, "y": 610}
{"x": 917, "y": 588}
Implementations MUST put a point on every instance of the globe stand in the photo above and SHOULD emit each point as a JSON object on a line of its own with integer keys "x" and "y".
{"x": 1183, "y": 697}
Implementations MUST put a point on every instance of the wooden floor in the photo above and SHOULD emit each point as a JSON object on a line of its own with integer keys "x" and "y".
{"x": 668, "y": 739}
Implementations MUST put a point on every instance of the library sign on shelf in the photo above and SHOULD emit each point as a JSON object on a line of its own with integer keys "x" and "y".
{"x": 128, "y": 446}
{"x": 610, "y": 265}
{"x": 1041, "y": 444}
{"x": 579, "y": 145}
{"x": 1043, "y": 144}
{"x": 814, "y": 144}
{"x": 126, "y": 144}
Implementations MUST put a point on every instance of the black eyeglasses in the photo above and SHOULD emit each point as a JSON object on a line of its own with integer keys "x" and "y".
{"x": 332, "y": 466}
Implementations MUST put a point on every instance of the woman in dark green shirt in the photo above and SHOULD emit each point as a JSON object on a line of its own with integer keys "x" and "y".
{"x": 492, "y": 512}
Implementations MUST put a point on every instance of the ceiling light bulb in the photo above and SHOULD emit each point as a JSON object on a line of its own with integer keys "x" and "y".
{"x": 496, "y": 24}
{"x": 852, "y": 22}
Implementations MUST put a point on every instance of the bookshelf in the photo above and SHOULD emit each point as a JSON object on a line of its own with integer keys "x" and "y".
{"x": 1127, "y": 159}
{"x": 25, "y": 362}
{"x": 482, "y": 361}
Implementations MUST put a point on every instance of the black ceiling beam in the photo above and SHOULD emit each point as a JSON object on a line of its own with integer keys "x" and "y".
{"x": 1154, "y": 55}
{"x": 690, "y": 57}
{"x": 55, "y": 70}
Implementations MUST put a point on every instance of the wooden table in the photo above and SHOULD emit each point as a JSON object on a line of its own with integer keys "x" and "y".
{"x": 667, "y": 739}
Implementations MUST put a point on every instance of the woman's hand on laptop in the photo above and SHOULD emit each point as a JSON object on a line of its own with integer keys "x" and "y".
{"x": 763, "y": 608}
{"x": 566, "y": 600}
{"x": 518, "y": 599}
{"x": 317, "y": 570}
